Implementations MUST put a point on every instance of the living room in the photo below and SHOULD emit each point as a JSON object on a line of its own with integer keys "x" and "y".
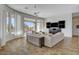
{"x": 44, "y": 29}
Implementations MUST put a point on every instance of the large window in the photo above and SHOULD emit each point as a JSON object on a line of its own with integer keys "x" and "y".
{"x": 29, "y": 25}
{"x": 12, "y": 24}
{"x": 38, "y": 26}
{"x": 33, "y": 25}
{"x": 7, "y": 22}
{"x": 18, "y": 24}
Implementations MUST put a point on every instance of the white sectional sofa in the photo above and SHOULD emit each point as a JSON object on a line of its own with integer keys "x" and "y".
{"x": 49, "y": 40}
{"x": 52, "y": 40}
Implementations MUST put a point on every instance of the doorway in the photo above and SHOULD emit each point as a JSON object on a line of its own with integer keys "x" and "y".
{"x": 75, "y": 23}
{"x": 75, "y": 33}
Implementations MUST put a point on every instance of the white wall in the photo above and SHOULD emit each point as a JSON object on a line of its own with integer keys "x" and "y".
{"x": 68, "y": 23}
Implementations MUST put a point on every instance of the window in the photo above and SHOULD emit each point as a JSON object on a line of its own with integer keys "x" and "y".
{"x": 33, "y": 25}
{"x": 12, "y": 24}
{"x": 18, "y": 24}
{"x": 38, "y": 27}
{"x": 29, "y": 25}
{"x": 7, "y": 22}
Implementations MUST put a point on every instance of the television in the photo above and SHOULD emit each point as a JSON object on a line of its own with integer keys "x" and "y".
{"x": 61, "y": 24}
{"x": 54, "y": 24}
{"x": 48, "y": 24}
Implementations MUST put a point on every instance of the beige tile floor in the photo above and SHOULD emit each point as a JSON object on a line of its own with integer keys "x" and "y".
{"x": 69, "y": 46}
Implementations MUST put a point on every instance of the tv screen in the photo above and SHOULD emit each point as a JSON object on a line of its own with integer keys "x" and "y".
{"x": 54, "y": 25}
{"x": 48, "y": 24}
{"x": 61, "y": 24}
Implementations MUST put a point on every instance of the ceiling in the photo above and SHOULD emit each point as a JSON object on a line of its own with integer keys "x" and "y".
{"x": 46, "y": 10}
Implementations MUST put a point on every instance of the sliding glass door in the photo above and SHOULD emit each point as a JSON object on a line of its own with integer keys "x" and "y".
{"x": 10, "y": 23}
{"x": 29, "y": 25}
{"x": 33, "y": 25}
